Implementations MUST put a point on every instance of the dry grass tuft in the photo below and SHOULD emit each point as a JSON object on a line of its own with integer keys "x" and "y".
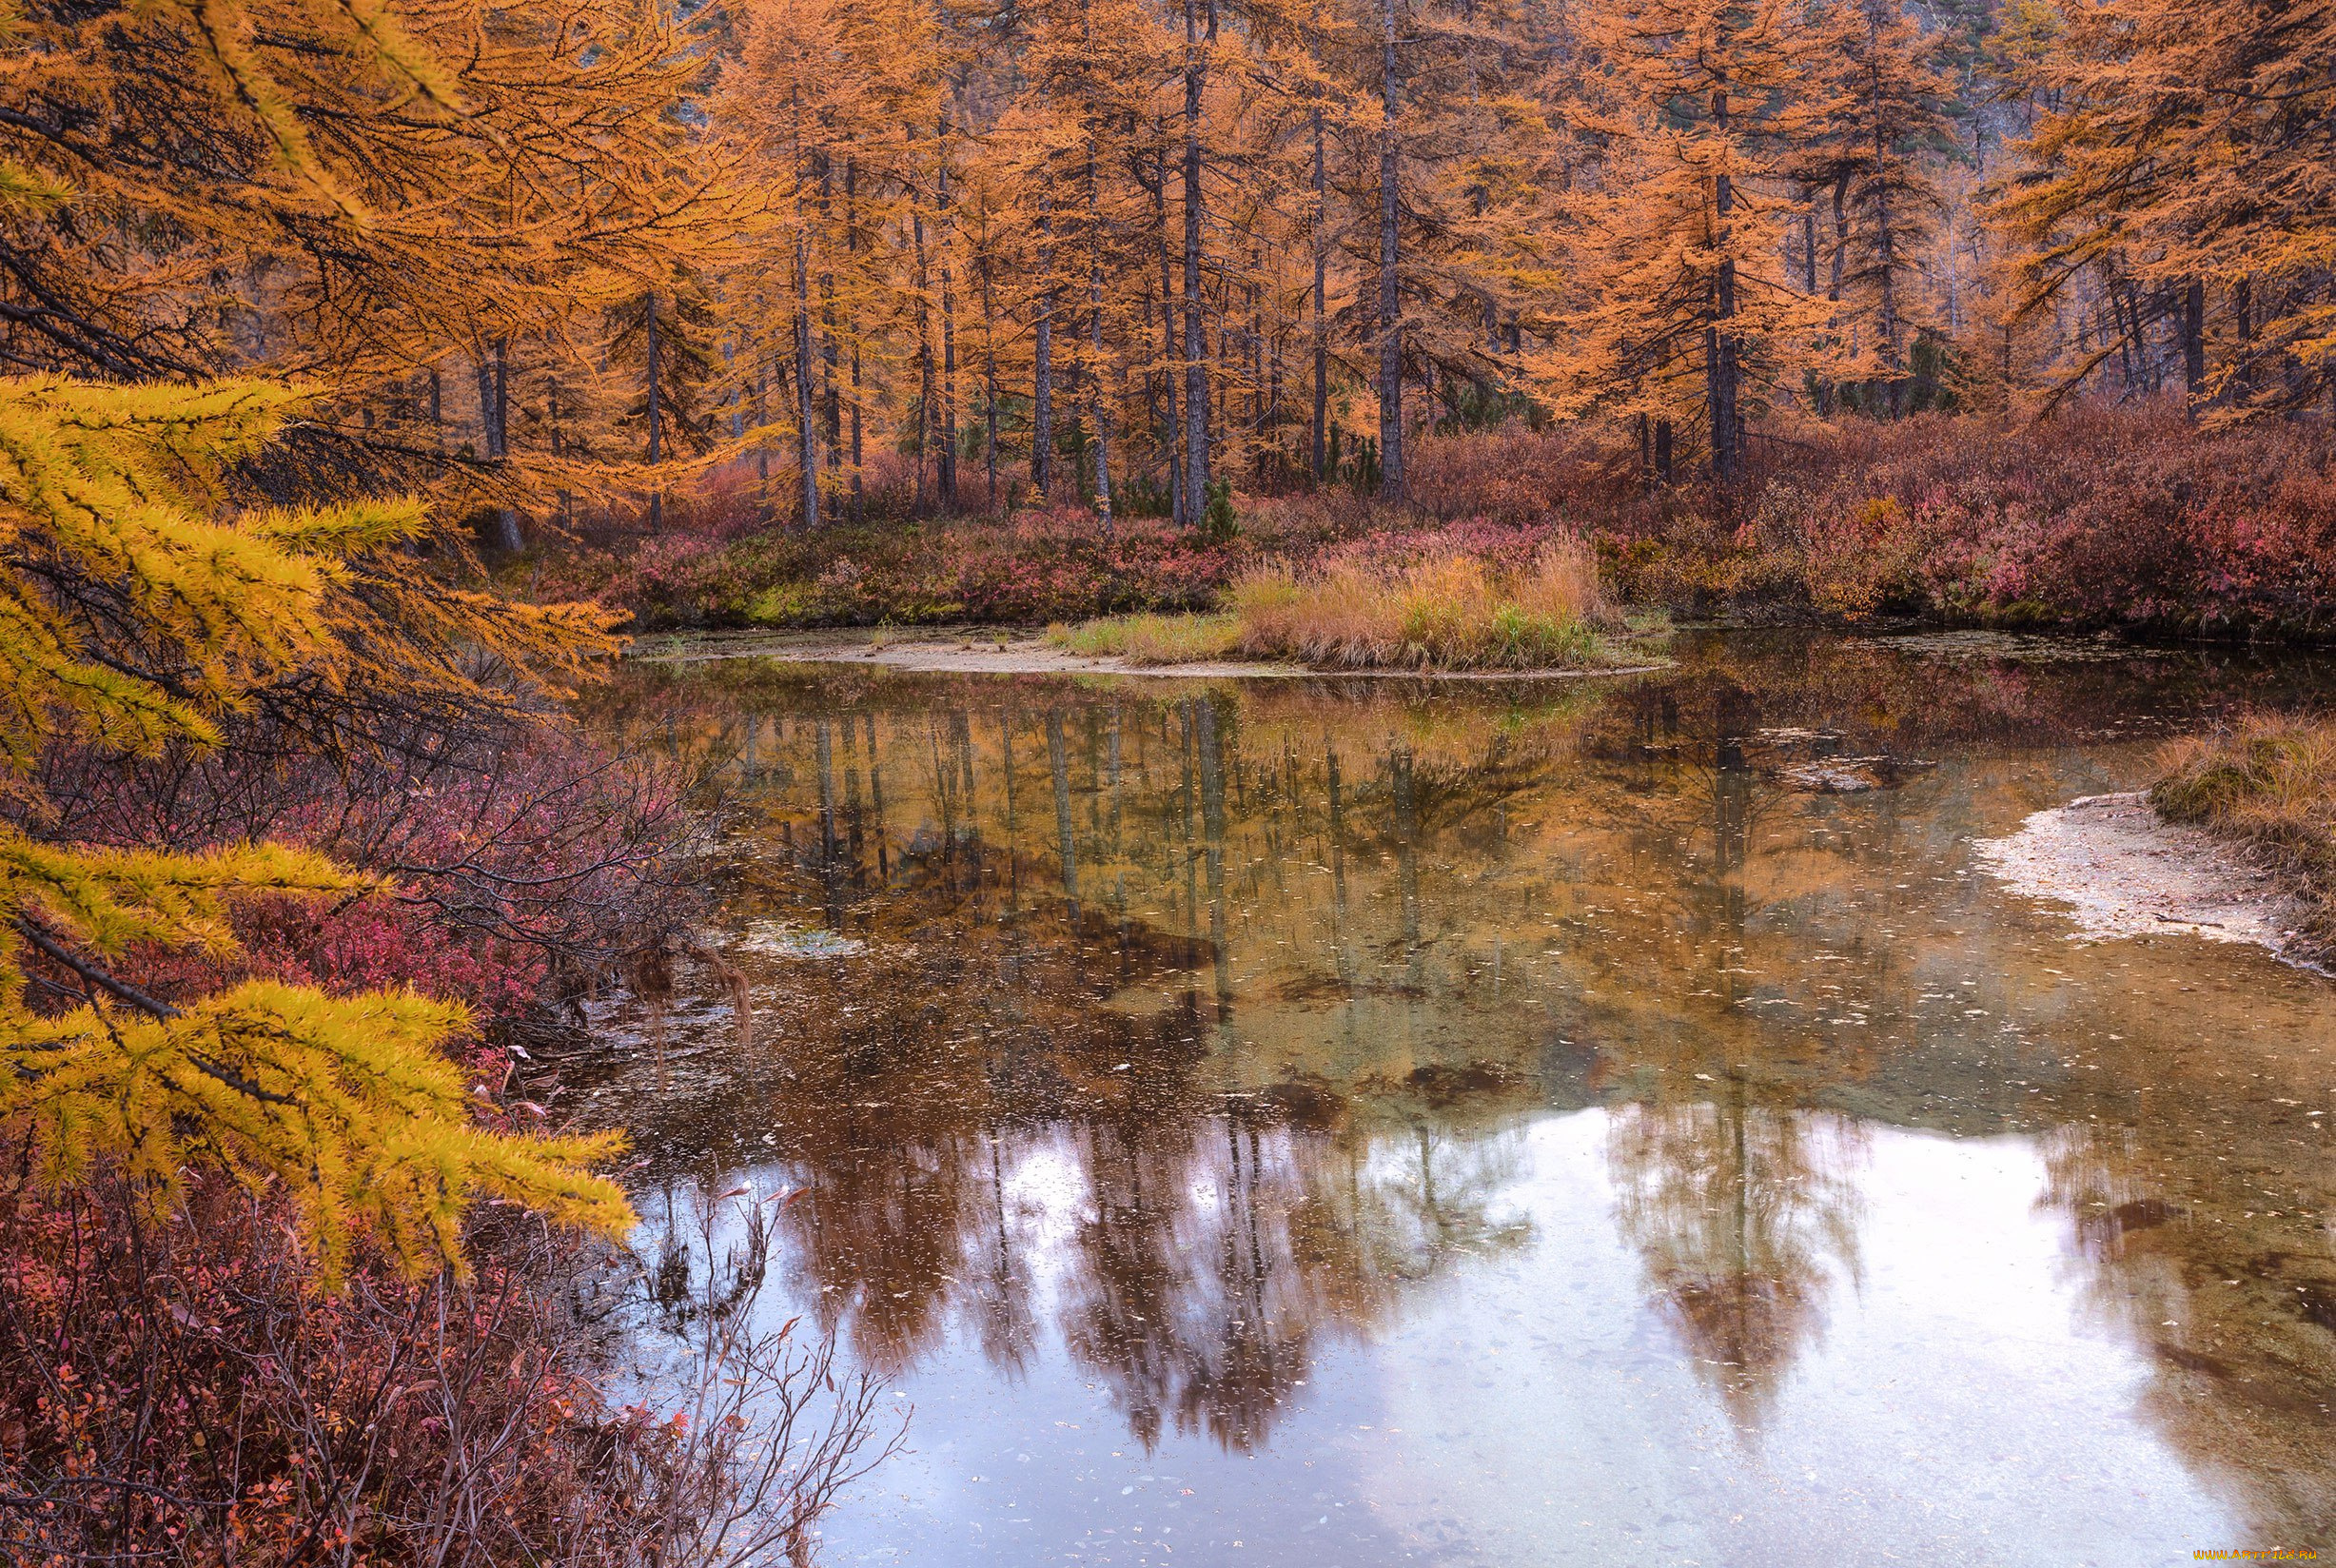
{"x": 1150, "y": 638}
{"x": 1445, "y": 611}
{"x": 2268, "y": 783}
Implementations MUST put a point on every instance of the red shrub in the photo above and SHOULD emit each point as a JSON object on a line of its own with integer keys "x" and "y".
{"x": 177, "y": 1392}
{"x": 2105, "y": 516}
{"x": 518, "y": 857}
{"x": 2129, "y": 516}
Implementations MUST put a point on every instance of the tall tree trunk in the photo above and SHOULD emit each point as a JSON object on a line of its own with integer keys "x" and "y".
{"x": 1808, "y": 245}
{"x": 495, "y": 433}
{"x": 1826, "y": 393}
{"x": 806, "y": 442}
{"x": 1277, "y": 340}
{"x": 989, "y": 377}
{"x": 762, "y": 423}
{"x": 1173, "y": 430}
{"x": 1098, "y": 384}
{"x": 1196, "y": 367}
{"x": 1720, "y": 344}
{"x": 657, "y": 424}
{"x": 1321, "y": 323}
{"x": 924, "y": 351}
{"x": 1260, "y": 411}
{"x": 946, "y": 425}
{"x": 2242, "y": 308}
{"x": 1840, "y": 234}
{"x": 2194, "y": 343}
{"x": 2132, "y": 347}
{"x": 1042, "y": 355}
{"x": 830, "y": 397}
{"x": 1391, "y": 290}
{"x": 1885, "y": 236}
{"x": 851, "y": 245}
{"x": 562, "y": 498}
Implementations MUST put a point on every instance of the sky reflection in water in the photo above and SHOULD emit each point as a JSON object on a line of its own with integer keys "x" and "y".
{"x": 1375, "y": 1122}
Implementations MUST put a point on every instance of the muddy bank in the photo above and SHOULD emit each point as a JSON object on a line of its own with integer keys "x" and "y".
{"x": 2122, "y": 871}
{"x": 959, "y": 654}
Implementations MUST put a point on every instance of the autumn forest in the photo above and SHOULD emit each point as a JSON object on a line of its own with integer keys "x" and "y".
{"x": 385, "y": 383}
{"x": 561, "y": 260}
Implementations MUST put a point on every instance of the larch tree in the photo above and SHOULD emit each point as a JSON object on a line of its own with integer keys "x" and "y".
{"x": 1865, "y": 136}
{"x": 1389, "y": 334}
{"x": 1682, "y": 305}
{"x": 379, "y": 200}
{"x": 142, "y": 614}
{"x": 151, "y": 607}
{"x": 2188, "y": 156}
{"x": 1087, "y": 64}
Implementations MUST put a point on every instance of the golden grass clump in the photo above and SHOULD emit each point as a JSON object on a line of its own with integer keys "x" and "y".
{"x": 1445, "y": 611}
{"x": 1149, "y": 638}
{"x": 2268, "y": 783}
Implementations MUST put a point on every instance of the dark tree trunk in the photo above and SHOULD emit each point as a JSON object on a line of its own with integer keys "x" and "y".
{"x": 1196, "y": 368}
{"x": 495, "y": 433}
{"x": 1042, "y": 360}
{"x": 831, "y": 395}
{"x": 1390, "y": 290}
{"x": 1885, "y": 237}
{"x": 1098, "y": 384}
{"x": 1720, "y": 344}
{"x": 1808, "y": 245}
{"x": 1840, "y": 234}
{"x": 807, "y": 438}
{"x": 2194, "y": 343}
{"x": 1320, "y": 319}
{"x": 988, "y": 378}
{"x": 946, "y": 425}
{"x": 762, "y": 422}
{"x": 925, "y": 377}
{"x": 1174, "y": 431}
{"x": 656, "y": 424}
{"x": 851, "y": 245}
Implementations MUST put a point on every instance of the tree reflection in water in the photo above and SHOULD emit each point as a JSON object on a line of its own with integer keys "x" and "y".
{"x": 1744, "y": 1216}
{"x": 1196, "y": 1029}
{"x": 1742, "y": 1206}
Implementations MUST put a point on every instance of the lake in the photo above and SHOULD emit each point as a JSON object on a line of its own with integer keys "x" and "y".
{"x": 1349, "y": 1122}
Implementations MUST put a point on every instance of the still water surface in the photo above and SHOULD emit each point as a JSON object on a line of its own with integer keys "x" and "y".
{"x": 1347, "y": 1123}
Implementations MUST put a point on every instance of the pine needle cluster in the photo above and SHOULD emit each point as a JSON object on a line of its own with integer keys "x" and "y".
{"x": 140, "y": 616}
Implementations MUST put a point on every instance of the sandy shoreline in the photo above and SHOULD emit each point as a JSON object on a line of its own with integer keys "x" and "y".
{"x": 2121, "y": 871}
{"x": 1028, "y": 655}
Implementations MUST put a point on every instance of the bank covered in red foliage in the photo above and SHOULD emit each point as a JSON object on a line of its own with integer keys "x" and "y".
{"x": 2128, "y": 519}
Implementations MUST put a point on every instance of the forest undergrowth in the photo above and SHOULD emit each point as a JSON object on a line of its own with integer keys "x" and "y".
{"x": 2132, "y": 520}
{"x": 178, "y": 1389}
{"x": 305, "y": 866}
